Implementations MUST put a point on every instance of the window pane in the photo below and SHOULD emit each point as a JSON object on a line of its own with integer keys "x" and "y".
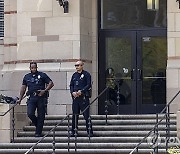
{"x": 118, "y": 68}
{"x": 120, "y": 14}
{"x": 154, "y": 70}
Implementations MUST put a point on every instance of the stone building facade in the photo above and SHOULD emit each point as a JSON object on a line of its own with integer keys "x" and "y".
{"x": 39, "y": 30}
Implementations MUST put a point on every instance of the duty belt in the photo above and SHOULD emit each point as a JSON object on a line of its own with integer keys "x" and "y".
{"x": 35, "y": 93}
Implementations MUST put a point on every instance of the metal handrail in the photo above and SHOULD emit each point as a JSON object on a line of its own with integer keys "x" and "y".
{"x": 32, "y": 148}
{"x": 9, "y": 109}
{"x": 15, "y": 104}
{"x": 167, "y": 113}
{"x": 13, "y": 117}
{"x": 13, "y": 120}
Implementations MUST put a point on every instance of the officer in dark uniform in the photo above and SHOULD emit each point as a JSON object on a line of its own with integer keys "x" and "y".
{"x": 80, "y": 85}
{"x": 38, "y": 84}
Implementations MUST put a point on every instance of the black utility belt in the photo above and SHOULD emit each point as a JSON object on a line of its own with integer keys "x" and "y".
{"x": 32, "y": 93}
{"x": 36, "y": 93}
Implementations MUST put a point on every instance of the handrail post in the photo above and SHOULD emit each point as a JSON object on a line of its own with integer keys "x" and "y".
{"x": 167, "y": 127}
{"x": 118, "y": 98}
{"x": 153, "y": 141}
{"x": 106, "y": 105}
{"x": 54, "y": 142}
{"x": 13, "y": 125}
{"x": 75, "y": 130}
{"x": 157, "y": 135}
{"x": 68, "y": 133}
{"x": 89, "y": 128}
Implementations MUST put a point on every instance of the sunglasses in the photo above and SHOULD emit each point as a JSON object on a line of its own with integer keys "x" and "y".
{"x": 76, "y": 65}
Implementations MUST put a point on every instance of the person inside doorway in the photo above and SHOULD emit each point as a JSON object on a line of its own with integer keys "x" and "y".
{"x": 158, "y": 89}
{"x": 113, "y": 83}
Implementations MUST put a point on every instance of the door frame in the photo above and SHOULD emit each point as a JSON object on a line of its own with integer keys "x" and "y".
{"x": 136, "y": 37}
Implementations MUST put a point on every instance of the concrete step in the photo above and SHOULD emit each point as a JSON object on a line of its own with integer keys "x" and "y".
{"x": 81, "y": 151}
{"x": 117, "y": 117}
{"x": 120, "y": 136}
{"x": 104, "y": 128}
{"x": 84, "y": 139}
{"x": 82, "y": 145}
{"x": 81, "y": 139}
{"x": 110, "y": 122}
{"x": 99, "y": 133}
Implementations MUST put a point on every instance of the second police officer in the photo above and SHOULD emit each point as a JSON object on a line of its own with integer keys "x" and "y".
{"x": 80, "y": 85}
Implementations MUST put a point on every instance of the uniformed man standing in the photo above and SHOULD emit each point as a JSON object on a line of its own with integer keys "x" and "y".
{"x": 79, "y": 87}
{"x": 38, "y": 84}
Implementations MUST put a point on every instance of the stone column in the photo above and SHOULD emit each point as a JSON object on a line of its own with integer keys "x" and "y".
{"x": 5, "y": 124}
{"x": 8, "y": 48}
{"x": 88, "y": 42}
{"x": 173, "y": 64}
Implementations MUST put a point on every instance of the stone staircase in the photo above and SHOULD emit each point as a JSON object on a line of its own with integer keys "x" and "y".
{"x": 120, "y": 136}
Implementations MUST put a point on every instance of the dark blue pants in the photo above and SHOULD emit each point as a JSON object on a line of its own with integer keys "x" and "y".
{"x": 38, "y": 103}
{"x": 79, "y": 104}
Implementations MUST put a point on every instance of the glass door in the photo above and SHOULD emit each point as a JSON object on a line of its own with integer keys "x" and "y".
{"x": 116, "y": 71}
{"x": 151, "y": 66}
{"x": 135, "y": 63}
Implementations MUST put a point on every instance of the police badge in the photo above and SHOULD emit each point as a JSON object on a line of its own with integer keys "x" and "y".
{"x": 82, "y": 76}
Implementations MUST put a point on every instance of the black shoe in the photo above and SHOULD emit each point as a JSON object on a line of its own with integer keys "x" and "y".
{"x": 38, "y": 135}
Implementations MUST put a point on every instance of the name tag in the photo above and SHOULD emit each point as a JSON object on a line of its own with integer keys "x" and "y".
{"x": 77, "y": 83}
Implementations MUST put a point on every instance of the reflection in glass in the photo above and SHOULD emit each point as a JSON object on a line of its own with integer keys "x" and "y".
{"x": 153, "y": 5}
{"x": 118, "y": 65}
{"x": 154, "y": 70}
{"x": 158, "y": 89}
{"x": 119, "y": 14}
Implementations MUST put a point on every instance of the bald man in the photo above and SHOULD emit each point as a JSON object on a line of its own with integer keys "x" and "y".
{"x": 79, "y": 87}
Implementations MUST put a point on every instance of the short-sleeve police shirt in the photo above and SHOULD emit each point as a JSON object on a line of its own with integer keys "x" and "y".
{"x": 36, "y": 81}
{"x": 80, "y": 81}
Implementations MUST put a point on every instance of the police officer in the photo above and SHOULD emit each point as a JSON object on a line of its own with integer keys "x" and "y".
{"x": 38, "y": 84}
{"x": 79, "y": 87}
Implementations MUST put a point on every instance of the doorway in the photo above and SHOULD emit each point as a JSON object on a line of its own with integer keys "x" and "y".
{"x": 134, "y": 60}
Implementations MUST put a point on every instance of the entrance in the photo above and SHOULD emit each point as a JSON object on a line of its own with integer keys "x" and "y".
{"x": 134, "y": 60}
